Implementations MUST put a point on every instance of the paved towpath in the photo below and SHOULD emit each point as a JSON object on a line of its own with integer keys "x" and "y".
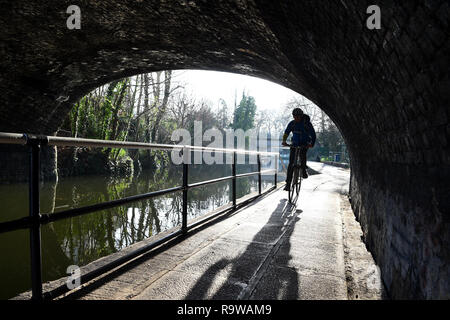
{"x": 267, "y": 250}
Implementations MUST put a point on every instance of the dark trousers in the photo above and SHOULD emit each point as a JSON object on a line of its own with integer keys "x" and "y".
{"x": 303, "y": 151}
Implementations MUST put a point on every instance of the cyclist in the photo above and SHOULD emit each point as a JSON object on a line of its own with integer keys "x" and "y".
{"x": 304, "y": 136}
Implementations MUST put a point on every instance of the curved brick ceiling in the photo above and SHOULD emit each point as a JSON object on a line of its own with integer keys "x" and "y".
{"x": 387, "y": 90}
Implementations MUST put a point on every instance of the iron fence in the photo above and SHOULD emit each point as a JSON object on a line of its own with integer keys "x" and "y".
{"x": 36, "y": 219}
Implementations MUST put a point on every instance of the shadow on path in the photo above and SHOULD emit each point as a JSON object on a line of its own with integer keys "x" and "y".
{"x": 249, "y": 267}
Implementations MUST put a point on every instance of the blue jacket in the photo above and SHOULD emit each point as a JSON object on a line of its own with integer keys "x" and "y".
{"x": 302, "y": 132}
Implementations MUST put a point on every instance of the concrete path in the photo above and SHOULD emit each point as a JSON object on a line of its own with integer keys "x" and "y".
{"x": 269, "y": 250}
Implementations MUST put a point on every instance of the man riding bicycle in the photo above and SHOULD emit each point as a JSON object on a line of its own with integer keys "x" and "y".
{"x": 303, "y": 136}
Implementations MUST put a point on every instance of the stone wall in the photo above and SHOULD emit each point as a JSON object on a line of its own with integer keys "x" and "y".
{"x": 15, "y": 164}
{"x": 409, "y": 240}
{"x": 387, "y": 91}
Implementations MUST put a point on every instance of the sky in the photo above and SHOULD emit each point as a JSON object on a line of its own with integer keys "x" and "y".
{"x": 213, "y": 85}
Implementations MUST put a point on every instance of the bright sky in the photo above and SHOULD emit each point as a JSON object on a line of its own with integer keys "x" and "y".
{"x": 213, "y": 85}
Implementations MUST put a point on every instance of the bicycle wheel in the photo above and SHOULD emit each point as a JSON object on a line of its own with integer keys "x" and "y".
{"x": 293, "y": 191}
{"x": 299, "y": 180}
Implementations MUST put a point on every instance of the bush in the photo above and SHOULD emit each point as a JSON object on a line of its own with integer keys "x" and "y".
{"x": 85, "y": 161}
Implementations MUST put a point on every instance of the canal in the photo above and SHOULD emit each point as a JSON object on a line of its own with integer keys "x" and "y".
{"x": 81, "y": 240}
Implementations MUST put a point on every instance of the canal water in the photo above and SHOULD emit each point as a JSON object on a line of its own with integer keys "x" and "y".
{"x": 81, "y": 240}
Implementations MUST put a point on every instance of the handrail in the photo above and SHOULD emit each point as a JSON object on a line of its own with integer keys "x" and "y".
{"x": 15, "y": 138}
{"x": 12, "y": 138}
{"x": 36, "y": 219}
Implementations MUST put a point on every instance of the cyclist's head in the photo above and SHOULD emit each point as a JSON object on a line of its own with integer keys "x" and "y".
{"x": 297, "y": 112}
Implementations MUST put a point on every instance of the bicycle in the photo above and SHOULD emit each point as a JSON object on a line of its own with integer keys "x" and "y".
{"x": 297, "y": 175}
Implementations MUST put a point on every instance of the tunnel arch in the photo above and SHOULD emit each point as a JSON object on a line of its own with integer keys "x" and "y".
{"x": 386, "y": 90}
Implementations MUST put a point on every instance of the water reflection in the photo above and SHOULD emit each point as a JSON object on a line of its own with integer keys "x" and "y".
{"x": 81, "y": 240}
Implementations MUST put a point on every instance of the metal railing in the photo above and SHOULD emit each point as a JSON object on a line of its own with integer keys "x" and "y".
{"x": 36, "y": 219}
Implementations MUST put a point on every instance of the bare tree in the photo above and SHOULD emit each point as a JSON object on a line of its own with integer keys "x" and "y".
{"x": 182, "y": 107}
{"x": 161, "y": 107}
{"x": 309, "y": 108}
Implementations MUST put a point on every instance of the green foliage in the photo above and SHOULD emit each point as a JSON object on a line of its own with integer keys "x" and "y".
{"x": 244, "y": 115}
{"x": 121, "y": 153}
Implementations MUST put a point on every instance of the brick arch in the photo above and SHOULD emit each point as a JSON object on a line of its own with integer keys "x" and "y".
{"x": 387, "y": 91}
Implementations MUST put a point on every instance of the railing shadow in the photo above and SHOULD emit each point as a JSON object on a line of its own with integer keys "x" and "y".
{"x": 104, "y": 279}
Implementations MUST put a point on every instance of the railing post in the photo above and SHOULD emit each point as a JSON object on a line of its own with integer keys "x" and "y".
{"x": 233, "y": 169}
{"x": 35, "y": 229}
{"x": 185, "y": 189}
{"x": 276, "y": 169}
{"x": 259, "y": 173}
